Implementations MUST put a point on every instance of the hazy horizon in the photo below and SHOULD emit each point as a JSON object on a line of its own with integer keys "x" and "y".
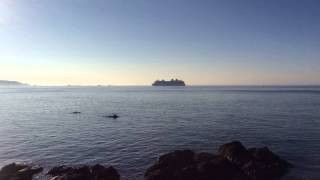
{"x": 115, "y": 42}
{"x": 144, "y": 85}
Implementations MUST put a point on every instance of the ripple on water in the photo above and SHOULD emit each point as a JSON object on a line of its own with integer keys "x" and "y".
{"x": 37, "y": 126}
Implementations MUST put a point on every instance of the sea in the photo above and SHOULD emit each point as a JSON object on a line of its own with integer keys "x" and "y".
{"x": 37, "y": 125}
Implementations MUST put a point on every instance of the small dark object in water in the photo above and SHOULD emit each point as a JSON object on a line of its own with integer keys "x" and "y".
{"x": 114, "y": 116}
{"x": 76, "y": 112}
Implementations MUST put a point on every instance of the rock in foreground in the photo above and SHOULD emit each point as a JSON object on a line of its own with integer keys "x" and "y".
{"x": 18, "y": 172}
{"x": 96, "y": 172}
{"x": 233, "y": 162}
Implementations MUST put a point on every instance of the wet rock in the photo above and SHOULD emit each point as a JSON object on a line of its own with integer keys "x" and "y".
{"x": 18, "y": 172}
{"x": 56, "y": 178}
{"x": 12, "y": 168}
{"x": 96, "y": 172}
{"x": 60, "y": 170}
{"x": 29, "y": 172}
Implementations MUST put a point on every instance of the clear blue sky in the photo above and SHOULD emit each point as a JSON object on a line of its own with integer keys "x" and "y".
{"x": 138, "y": 41}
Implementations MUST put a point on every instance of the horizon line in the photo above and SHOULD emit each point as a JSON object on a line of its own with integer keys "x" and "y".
{"x": 193, "y": 85}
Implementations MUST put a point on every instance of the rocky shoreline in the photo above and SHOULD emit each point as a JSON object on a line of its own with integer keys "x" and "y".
{"x": 232, "y": 162}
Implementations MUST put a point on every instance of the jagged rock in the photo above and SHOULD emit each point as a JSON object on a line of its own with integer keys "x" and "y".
{"x": 177, "y": 159}
{"x": 265, "y": 165}
{"x": 219, "y": 168}
{"x": 234, "y": 162}
{"x": 187, "y": 173}
{"x": 171, "y": 165}
{"x": 28, "y": 172}
{"x": 96, "y": 172}
{"x": 101, "y": 172}
{"x": 235, "y": 152}
{"x": 81, "y": 173}
{"x": 12, "y": 168}
{"x": 18, "y": 172}
{"x": 266, "y": 156}
{"x": 60, "y": 170}
{"x": 203, "y": 157}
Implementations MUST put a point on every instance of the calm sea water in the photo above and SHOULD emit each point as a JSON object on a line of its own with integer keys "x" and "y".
{"x": 37, "y": 126}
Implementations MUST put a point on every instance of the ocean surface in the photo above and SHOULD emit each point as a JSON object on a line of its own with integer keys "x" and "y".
{"x": 37, "y": 125}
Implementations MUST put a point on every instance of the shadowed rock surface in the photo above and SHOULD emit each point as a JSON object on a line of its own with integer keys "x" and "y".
{"x": 233, "y": 162}
{"x": 18, "y": 172}
{"x": 96, "y": 172}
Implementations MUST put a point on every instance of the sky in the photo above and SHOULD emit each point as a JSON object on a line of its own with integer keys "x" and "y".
{"x": 134, "y": 42}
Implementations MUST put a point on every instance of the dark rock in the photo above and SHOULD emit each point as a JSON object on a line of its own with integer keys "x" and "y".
{"x": 69, "y": 173}
{"x": 235, "y": 152}
{"x": 56, "y": 178}
{"x": 12, "y": 168}
{"x": 183, "y": 165}
{"x": 188, "y": 173}
{"x": 80, "y": 173}
{"x": 109, "y": 173}
{"x": 204, "y": 157}
{"x": 219, "y": 168}
{"x": 157, "y": 174}
{"x": 234, "y": 162}
{"x": 97, "y": 172}
{"x": 97, "y": 168}
{"x": 266, "y": 156}
{"x": 29, "y": 172}
{"x": 60, "y": 170}
{"x": 76, "y": 112}
{"x": 265, "y": 165}
{"x": 176, "y": 159}
{"x": 171, "y": 166}
{"x": 18, "y": 172}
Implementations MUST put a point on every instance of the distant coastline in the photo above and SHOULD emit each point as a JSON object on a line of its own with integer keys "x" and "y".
{"x": 11, "y": 83}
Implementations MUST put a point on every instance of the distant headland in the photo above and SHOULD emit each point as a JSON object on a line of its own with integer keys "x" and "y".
{"x": 11, "y": 83}
{"x": 172, "y": 82}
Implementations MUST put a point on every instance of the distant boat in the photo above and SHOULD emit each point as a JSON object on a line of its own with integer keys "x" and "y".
{"x": 172, "y": 82}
